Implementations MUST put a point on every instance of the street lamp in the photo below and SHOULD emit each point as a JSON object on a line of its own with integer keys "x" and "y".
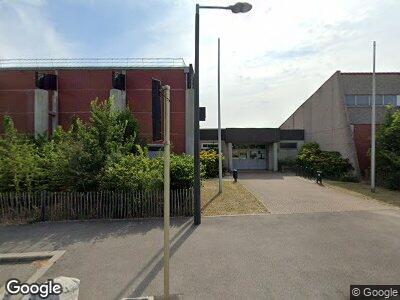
{"x": 240, "y": 7}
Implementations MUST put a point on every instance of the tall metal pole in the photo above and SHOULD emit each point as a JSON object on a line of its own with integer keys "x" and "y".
{"x": 373, "y": 123}
{"x": 219, "y": 119}
{"x": 196, "y": 127}
{"x": 167, "y": 153}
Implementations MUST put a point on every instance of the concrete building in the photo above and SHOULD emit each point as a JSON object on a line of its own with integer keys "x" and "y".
{"x": 338, "y": 115}
{"x": 253, "y": 148}
{"x": 41, "y": 94}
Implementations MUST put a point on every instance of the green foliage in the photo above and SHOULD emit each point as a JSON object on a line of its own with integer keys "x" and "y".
{"x": 132, "y": 172}
{"x": 182, "y": 171}
{"x": 209, "y": 163}
{"x": 104, "y": 154}
{"x": 388, "y": 149}
{"x": 312, "y": 159}
{"x": 18, "y": 161}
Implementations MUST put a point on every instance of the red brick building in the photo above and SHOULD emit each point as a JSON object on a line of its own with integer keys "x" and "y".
{"x": 37, "y": 108}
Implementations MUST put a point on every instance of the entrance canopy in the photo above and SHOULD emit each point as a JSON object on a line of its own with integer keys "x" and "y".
{"x": 252, "y": 135}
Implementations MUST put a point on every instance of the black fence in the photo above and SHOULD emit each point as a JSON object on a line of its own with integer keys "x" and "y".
{"x": 55, "y": 206}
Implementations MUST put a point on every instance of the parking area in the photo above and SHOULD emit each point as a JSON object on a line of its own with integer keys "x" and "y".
{"x": 285, "y": 194}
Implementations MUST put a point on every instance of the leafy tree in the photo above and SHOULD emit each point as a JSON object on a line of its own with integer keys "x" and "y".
{"x": 388, "y": 148}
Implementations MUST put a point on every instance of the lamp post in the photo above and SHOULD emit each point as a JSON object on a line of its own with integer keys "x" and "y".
{"x": 240, "y": 7}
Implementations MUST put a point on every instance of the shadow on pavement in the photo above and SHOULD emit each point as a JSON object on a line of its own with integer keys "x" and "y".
{"x": 60, "y": 235}
{"x": 175, "y": 242}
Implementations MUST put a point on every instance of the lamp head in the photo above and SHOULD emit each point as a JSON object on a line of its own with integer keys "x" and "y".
{"x": 240, "y": 7}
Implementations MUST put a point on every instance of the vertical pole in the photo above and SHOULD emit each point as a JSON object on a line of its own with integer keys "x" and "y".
{"x": 196, "y": 146}
{"x": 373, "y": 122}
{"x": 167, "y": 148}
{"x": 219, "y": 119}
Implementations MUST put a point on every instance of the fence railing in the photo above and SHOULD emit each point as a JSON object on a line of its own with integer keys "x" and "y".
{"x": 55, "y": 206}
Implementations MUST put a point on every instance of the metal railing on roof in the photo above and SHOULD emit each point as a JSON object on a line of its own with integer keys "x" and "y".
{"x": 32, "y": 63}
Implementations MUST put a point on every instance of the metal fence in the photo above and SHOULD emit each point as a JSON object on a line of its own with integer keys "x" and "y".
{"x": 130, "y": 62}
{"x": 55, "y": 206}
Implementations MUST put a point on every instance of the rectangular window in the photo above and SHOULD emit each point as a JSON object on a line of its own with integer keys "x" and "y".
{"x": 390, "y": 99}
{"x": 288, "y": 145}
{"x": 378, "y": 100}
{"x": 350, "y": 100}
{"x": 362, "y": 100}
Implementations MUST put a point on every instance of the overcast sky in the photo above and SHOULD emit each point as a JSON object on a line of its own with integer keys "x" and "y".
{"x": 273, "y": 58}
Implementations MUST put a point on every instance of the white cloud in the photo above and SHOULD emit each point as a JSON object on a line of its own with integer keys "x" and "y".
{"x": 25, "y": 31}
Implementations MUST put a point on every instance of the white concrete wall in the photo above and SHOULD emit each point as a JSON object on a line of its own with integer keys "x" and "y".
{"x": 41, "y": 112}
{"x": 289, "y": 153}
{"x": 323, "y": 119}
{"x": 118, "y": 99}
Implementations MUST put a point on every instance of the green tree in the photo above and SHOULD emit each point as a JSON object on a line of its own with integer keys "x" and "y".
{"x": 388, "y": 148}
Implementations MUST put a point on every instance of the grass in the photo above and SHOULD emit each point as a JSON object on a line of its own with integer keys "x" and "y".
{"x": 381, "y": 194}
{"x": 235, "y": 199}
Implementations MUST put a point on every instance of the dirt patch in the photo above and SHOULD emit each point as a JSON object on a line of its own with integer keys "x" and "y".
{"x": 234, "y": 200}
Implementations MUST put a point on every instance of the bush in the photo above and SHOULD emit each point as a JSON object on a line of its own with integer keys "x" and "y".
{"x": 19, "y": 170}
{"x": 388, "y": 149}
{"x": 182, "y": 171}
{"x": 132, "y": 172}
{"x": 312, "y": 159}
{"x": 209, "y": 163}
{"x": 103, "y": 154}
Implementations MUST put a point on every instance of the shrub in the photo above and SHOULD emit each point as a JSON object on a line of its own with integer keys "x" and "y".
{"x": 103, "y": 154}
{"x": 139, "y": 172}
{"x": 388, "y": 149}
{"x": 182, "y": 171}
{"x": 312, "y": 159}
{"x": 19, "y": 170}
{"x": 209, "y": 163}
{"x": 132, "y": 172}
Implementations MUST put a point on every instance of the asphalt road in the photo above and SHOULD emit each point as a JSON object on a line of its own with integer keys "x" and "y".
{"x": 281, "y": 256}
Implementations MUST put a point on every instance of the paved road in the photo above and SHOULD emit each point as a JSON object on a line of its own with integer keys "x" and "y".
{"x": 282, "y": 256}
{"x": 283, "y": 194}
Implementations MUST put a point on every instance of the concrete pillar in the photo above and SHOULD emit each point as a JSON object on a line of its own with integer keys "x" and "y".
{"x": 275, "y": 156}
{"x": 54, "y": 111}
{"x": 270, "y": 158}
{"x": 189, "y": 134}
{"x": 119, "y": 99}
{"x": 54, "y": 107}
{"x": 41, "y": 112}
{"x": 230, "y": 158}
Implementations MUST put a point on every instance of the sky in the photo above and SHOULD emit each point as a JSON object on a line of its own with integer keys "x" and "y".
{"x": 272, "y": 58}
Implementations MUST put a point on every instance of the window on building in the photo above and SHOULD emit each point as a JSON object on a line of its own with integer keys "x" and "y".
{"x": 390, "y": 99}
{"x": 288, "y": 145}
{"x": 378, "y": 100}
{"x": 350, "y": 100}
{"x": 362, "y": 100}
{"x": 209, "y": 146}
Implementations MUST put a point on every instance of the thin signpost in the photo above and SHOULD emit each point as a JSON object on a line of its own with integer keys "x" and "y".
{"x": 373, "y": 122}
{"x": 219, "y": 120}
{"x": 167, "y": 149}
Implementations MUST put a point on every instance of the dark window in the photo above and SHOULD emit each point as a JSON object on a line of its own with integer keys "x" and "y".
{"x": 362, "y": 100}
{"x": 390, "y": 99}
{"x": 350, "y": 100}
{"x": 378, "y": 100}
{"x": 288, "y": 145}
